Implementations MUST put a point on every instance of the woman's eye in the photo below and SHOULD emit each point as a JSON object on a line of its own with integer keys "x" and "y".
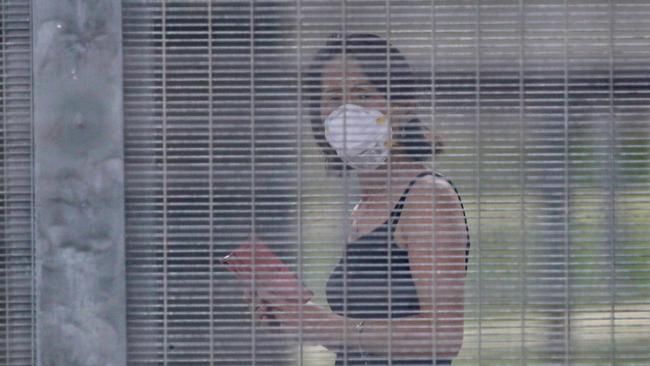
{"x": 364, "y": 95}
{"x": 333, "y": 98}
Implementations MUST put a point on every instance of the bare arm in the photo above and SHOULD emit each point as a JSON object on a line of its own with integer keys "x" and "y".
{"x": 432, "y": 229}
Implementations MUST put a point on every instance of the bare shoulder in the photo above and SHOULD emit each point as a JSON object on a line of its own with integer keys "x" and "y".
{"x": 430, "y": 198}
{"x": 430, "y": 190}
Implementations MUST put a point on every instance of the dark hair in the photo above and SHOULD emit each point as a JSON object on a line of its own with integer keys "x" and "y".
{"x": 370, "y": 51}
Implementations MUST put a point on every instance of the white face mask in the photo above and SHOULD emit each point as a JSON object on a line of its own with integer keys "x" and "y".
{"x": 359, "y": 135}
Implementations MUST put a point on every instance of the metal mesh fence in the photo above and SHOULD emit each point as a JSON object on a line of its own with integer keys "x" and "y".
{"x": 16, "y": 252}
{"x": 541, "y": 110}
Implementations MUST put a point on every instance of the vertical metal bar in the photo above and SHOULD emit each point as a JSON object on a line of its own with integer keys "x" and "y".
{"x": 566, "y": 324}
{"x": 5, "y": 184}
{"x": 612, "y": 188}
{"x": 478, "y": 174}
{"x": 163, "y": 35}
{"x": 35, "y": 269}
{"x": 346, "y": 194}
{"x": 522, "y": 183}
{"x": 299, "y": 171}
{"x": 211, "y": 184}
{"x": 252, "y": 173}
{"x": 434, "y": 270}
{"x": 389, "y": 194}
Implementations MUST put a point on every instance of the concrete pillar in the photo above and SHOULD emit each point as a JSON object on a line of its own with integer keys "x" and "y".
{"x": 79, "y": 196}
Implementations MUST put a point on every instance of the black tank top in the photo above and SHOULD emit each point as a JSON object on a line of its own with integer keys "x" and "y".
{"x": 376, "y": 281}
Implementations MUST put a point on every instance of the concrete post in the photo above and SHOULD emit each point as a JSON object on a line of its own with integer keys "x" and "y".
{"x": 79, "y": 196}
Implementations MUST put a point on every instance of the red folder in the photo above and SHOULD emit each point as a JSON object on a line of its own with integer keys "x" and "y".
{"x": 254, "y": 261}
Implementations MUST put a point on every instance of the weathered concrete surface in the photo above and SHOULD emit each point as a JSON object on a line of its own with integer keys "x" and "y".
{"x": 79, "y": 197}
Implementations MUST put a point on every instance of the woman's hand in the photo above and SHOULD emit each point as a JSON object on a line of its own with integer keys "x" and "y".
{"x": 294, "y": 316}
{"x": 270, "y": 311}
{"x": 262, "y": 313}
{"x": 316, "y": 324}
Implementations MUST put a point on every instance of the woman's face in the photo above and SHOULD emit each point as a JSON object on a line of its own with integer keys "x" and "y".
{"x": 352, "y": 85}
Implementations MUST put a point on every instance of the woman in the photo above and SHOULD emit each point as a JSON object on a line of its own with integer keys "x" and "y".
{"x": 397, "y": 292}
